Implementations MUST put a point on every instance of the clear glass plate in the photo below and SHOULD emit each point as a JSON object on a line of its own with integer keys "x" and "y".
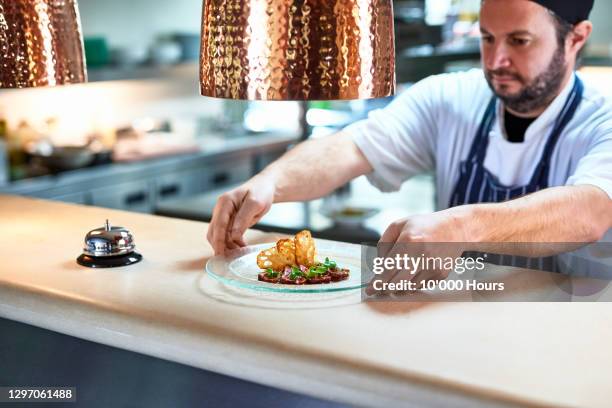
{"x": 239, "y": 268}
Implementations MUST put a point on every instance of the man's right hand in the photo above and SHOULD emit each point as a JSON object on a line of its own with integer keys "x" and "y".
{"x": 297, "y": 176}
{"x": 238, "y": 210}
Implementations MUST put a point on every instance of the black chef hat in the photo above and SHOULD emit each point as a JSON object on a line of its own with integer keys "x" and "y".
{"x": 572, "y": 11}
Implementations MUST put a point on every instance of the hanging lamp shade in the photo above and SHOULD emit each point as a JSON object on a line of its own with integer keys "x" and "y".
{"x": 297, "y": 49}
{"x": 40, "y": 43}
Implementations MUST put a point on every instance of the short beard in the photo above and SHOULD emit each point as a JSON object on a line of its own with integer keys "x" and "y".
{"x": 540, "y": 92}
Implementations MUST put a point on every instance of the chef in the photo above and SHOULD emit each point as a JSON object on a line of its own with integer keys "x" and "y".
{"x": 521, "y": 149}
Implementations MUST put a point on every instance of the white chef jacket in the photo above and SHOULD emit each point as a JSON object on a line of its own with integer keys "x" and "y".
{"x": 431, "y": 126}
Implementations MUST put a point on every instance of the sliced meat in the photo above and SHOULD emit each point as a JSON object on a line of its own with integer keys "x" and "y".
{"x": 286, "y": 278}
{"x": 338, "y": 274}
{"x": 288, "y": 281}
{"x": 317, "y": 279}
{"x": 264, "y": 278}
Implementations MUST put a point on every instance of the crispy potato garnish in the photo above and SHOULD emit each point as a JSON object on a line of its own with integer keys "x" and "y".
{"x": 289, "y": 252}
{"x": 305, "y": 251}
{"x": 286, "y": 251}
{"x": 270, "y": 258}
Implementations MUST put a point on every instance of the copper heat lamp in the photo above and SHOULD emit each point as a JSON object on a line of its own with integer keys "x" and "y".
{"x": 297, "y": 49}
{"x": 40, "y": 43}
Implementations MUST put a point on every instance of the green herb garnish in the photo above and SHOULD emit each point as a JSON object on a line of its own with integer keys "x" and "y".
{"x": 295, "y": 273}
{"x": 329, "y": 264}
{"x": 270, "y": 273}
{"x": 315, "y": 270}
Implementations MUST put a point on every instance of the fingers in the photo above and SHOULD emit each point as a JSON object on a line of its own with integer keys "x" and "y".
{"x": 233, "y": 243}
{"x": 389, "y": 238}
{"x": 220, "y": 222}
{"x": 385, "y": 247}
{"x": 403, "y": 250}
{"x": 249, "y": 211}
{"x": 392, "y": 232}
{"x": 389, "y": 273}
{"x": 240, "y": 242}
{"x": 233, "y": 214}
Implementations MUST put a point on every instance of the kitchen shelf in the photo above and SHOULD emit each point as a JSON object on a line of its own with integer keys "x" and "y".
{"x": 141, "y": 185}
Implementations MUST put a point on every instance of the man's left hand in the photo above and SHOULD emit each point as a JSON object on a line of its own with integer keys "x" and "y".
{"x": 440, "y": 235}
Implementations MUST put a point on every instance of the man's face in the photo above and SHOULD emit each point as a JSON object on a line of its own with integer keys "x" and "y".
{"x": 523, "y": 62}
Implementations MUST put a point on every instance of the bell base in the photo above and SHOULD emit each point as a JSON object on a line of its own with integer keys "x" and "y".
{"x": 109, "y": 261}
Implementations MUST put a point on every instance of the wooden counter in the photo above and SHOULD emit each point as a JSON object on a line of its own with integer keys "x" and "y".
{"x": 374, "y": 354}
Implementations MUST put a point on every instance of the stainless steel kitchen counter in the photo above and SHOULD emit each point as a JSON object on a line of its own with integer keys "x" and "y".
{"x": 213, "y": 147}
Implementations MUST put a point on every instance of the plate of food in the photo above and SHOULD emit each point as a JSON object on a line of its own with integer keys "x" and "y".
{"x": 291, "y": 265}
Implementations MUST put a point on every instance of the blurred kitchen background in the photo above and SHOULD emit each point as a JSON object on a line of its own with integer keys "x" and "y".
{"x": 139, "y": 137}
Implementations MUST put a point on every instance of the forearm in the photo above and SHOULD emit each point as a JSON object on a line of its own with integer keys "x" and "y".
{"x": 315, "y": 168}
{"x": 571, "y": 214}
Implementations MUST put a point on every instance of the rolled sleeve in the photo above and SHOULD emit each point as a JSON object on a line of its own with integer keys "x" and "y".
{"x": 382, "y": 177}
{"x": 595, "y": 168}
{"x": 399, "y": 140}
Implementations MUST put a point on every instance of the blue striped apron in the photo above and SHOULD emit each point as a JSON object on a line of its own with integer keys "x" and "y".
{"x": 477, "y": 185}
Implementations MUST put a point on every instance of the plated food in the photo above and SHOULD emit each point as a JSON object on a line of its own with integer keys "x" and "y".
{"x": 292, "y": 261}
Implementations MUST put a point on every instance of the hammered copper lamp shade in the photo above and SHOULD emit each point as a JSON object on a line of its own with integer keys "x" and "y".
{"x": 40, "y": 43}
{"x": 297, "y": 49}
